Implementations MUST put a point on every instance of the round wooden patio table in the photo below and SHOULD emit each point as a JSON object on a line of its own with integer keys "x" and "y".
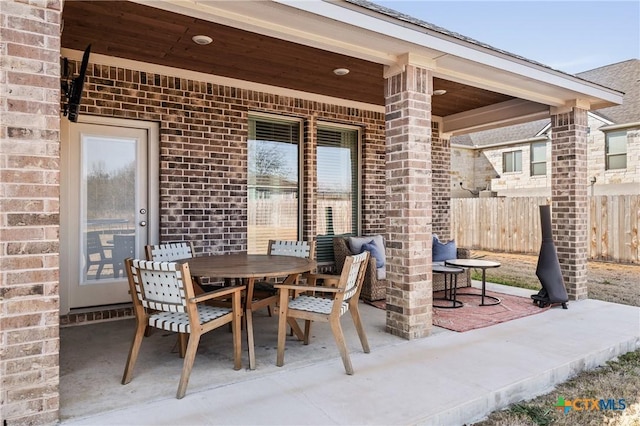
{"x": 248, "y": 267}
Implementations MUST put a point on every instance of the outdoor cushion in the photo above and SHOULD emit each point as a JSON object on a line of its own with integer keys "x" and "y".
{"x": 355, "y": 246}
{"x": 375, "y": 251}
{"x": 443, "y": 251}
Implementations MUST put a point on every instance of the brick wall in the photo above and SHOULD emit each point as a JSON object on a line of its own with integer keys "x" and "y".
{"x": 203, "y": 164}
{"x": 29, "y": 213}
{"x": 409, "y": 201}
{"x": 441, "y": 181}
{"x": 569, "y": 198}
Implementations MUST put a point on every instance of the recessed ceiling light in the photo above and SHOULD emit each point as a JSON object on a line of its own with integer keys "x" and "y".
{"x": 341, "y": 71}
{"x": 201, "y": 39}
{"x": 439, "y": 92}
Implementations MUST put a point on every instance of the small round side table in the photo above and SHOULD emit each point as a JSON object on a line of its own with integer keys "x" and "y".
{"x": 450, "y": 286}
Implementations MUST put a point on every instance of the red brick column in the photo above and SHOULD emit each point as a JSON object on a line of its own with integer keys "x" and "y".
{"x": 569, "y": 197}
{"x": 408, "y": 194}
{"x": 29, "y": 213}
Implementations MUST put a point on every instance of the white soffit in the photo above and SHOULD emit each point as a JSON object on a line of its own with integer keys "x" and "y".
{"x": 348, "y": 29}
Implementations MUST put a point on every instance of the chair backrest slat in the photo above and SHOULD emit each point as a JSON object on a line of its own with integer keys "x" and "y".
{"x": 159, "y": 285}
{"x": 169, "y": 252}
{"x": 292, "y": 248}
{"x": 354, "y": 274}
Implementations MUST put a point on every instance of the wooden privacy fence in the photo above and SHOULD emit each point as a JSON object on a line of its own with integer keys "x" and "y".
{"x": 513, "y": 225}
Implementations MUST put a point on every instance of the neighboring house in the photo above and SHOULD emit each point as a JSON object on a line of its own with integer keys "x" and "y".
{"x": 514, "y": 160}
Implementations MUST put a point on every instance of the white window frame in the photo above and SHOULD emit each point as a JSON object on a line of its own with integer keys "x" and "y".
{"x": 517, "y": 165}
{"x": 257, "y": 116}
{"x": 609, "y": 154}
{"x": 358, "y": 166}
{"x": 534, "y": 162}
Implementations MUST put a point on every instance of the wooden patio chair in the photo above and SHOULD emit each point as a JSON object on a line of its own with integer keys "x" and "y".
{"x": 171, "y": 252}
{"x": 265, "y": 288}
{"x": 163, "y": 297}
{"x": 311, "y": 307}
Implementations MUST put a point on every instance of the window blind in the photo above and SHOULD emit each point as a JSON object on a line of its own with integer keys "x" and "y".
{"x": 338, "y": 191}
{"x": 273, "y": 184}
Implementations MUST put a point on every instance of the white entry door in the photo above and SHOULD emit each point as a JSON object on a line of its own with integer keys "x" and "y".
{"x": 108, "y": 211}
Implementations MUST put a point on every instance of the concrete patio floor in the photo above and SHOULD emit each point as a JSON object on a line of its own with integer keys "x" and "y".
{"x": 447, "y": 378}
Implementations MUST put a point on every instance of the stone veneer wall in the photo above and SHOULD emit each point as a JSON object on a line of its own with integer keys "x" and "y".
{"x": 203, "y": 150}
{"x": 487, "y": 163}
{"x": 29, "y": 211}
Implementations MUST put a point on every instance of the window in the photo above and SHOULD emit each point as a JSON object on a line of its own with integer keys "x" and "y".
{"x": 539, "y": 159}
{"x": 338, "y": 186}
{"x": 273, "y": 184}
{"x": 616, "y": 147}
{"x": 512, "y": 161}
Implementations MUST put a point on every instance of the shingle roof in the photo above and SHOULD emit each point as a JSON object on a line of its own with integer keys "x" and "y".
{"x": 516, "y": 132}
{"x": 624, "y": 77}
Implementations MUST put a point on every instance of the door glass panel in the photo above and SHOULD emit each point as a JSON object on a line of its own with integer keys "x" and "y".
{"x": 108, "y": 202}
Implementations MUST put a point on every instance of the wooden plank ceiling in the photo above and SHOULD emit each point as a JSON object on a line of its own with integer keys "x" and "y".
{"x": 142, "y": 33}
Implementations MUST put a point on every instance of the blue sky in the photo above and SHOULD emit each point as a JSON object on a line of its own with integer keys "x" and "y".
{"x": 570, "y": 36}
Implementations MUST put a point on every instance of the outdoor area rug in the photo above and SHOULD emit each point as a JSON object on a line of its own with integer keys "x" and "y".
{"x": 472, "y": 316}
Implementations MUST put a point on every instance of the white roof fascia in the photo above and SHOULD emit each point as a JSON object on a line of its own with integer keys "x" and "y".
{"x": 620, "y": 126}
{"x": 544, "y": 130}
{"x": 452, "y": 46}
{"x": 505, "y": 143}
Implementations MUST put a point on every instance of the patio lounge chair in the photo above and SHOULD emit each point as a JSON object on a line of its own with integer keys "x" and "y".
{"x": 311, "y": 307}
{"x": 163, "y": 297}
{"x": 374, "y": 286}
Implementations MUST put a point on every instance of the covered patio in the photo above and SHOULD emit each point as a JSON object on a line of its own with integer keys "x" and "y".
{"x": 393, "y": 71}
{"x": 449, "y": 379}
{"x": 275, "y": 59}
